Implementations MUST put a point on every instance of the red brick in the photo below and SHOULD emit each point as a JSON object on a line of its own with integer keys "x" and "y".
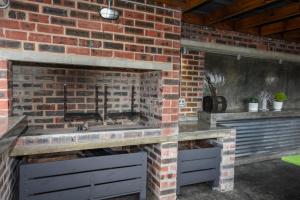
{"x": 176, "y": 45}
{"x": 112, "y": 28}
{"x": 166, "y": 118}
{"x": 154, "y": 18}
{"x": 162, "y": 42}
{"x": 4, "y": 23}
{"x": 39, "y": 37}
{"x": 174, "y": 103}
{"x": 3, "y": 84}
{"x": 66, "y": 3}
{"x": 50, "y": 29}
{"x": 79, "y": 51}
{"x": 177, "y": 14}
{"x": 159, "y": 58}
{"x": 90, "y": 43}
{"x": 166, "y": 103}
{"x": 38, "y": 18}
{"x": 18, "y": 35}
{"x": 65, "y": 40}
{"x": 89, "y": 25}
{"x": 4, "y": 64}
{"x": 4, "y": 104}
{"x": 1, "y": 32}
{"x": 101, "y": 53}
{"x": 175, "y": 89}
{"x": 174, "y": 118}
{"x": 27, "y": 26}
{"x": 134, "y": 48}
{"x": 145, "y": 57}
{"x": 133, "y": 15}
{"x": 167, "y": 131}
{"x": 122, "y": 54}
{"x": 164, "y": 27}
{"x": 152, "y": 33}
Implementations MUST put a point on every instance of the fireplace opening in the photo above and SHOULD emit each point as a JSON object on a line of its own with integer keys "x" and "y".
{"x": 63, "y": 96}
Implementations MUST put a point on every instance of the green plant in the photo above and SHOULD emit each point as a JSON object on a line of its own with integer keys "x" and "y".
{"x": 280, "y": 97}
{"x": 253, "y": 100}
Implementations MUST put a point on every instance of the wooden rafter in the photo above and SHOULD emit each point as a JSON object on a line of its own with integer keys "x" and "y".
{"x": 279, "y": 27}
{"x": 192, "y": 18}
{"x": 184, "y": 5}
{"x": 273, "y": 15}
{"x": 238, "y": 7}
{"x": 190, "y": 4}
{"x": 293, "y": 36}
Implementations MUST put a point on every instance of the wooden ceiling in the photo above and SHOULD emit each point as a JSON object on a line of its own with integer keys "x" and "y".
{"x": 278, "y": 19}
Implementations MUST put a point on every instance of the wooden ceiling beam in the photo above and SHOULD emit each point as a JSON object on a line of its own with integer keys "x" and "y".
{"x": 184, "y": 5}
{"x": 279, "y": 27}
{"x": 237, "y": 8}
{"x": 172, "y": 3}
{"x": 289, "y": 36}
{"x": 190, "y": 4}
{"x": 273, "y": 15}
{"x": 192, "y": 18}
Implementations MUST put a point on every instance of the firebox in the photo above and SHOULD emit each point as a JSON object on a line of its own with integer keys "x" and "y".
{"x": 60, "y": 96}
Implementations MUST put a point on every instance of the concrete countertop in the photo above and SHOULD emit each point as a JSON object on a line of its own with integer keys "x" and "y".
{"x": 63, "y": 140}
{"x": 213, "y": 118}
{"x": 197, "y": 130}
{"x": 10, "y": 129}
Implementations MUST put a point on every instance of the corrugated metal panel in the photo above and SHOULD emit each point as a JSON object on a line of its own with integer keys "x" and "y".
{"x": 264, "y": 136}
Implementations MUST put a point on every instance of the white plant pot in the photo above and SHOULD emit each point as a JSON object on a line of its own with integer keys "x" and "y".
{"x": 277, "y": 105}
{"x": 253, "y": 107}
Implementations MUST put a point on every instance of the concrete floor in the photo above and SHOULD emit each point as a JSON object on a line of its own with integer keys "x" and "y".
{"x": 269, "y": 180}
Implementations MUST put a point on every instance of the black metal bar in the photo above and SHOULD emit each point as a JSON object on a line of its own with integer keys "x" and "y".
{"x": 132, "y": 99}
{"x": 81, "y": 115}
{"x": 96, "y": 99}
{"x": 65, "y": 101}
{"x": 105, "y": 102}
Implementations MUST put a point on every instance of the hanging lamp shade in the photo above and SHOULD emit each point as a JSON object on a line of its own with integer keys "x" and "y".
{"x": 4, "y": 3}
{"x": 109, "y": 13}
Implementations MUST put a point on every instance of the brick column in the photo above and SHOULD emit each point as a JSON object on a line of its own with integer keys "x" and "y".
{"x": 162, "y": 158}
{"x": 192, "y": 77}
{"x": 5, "y": 88}
{"x": 226, "y": 181}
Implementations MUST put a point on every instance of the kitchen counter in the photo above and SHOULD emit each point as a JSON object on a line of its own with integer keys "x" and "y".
{"x": 197, "y": 130}
{"x": 10, "y": 129}
{"x": 63, "y": 140}
{"x": 213, "y": 118}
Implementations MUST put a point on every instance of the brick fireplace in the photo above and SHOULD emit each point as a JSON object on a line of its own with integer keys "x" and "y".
{"x": 141, "y": 49}
{"x": 39, "y": 92}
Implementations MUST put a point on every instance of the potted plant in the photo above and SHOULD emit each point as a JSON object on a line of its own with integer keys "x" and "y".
{"x": 253, "y": 104}
{"x": 279, "y": 98}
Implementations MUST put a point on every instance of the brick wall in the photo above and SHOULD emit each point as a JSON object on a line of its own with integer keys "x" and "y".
{"x": 5, "y": 88}
{"x": 205, "y": 34}
{"x": 75, "y": 27}
{"x": 228, "y": 145}
{"x": 192, "y": 71}
{"x": 192, "y": 80}
{"x": 39, "y": 93}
